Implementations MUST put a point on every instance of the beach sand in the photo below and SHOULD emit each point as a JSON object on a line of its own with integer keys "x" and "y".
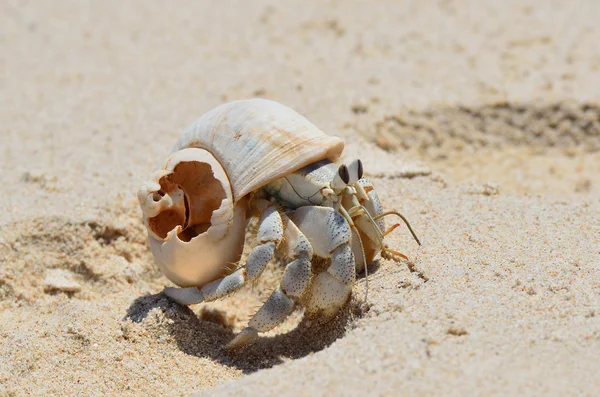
{"x": 478, "y": 120}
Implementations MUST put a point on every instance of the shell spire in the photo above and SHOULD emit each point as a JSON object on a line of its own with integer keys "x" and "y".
{"x": 257, "y": 141}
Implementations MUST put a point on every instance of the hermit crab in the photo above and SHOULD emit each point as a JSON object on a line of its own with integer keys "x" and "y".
{"x": 258, "y": 158}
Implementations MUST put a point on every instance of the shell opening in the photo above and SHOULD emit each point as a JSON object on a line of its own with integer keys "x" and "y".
{"x": 195, "y": 195}
{"x": 194, "y": 229}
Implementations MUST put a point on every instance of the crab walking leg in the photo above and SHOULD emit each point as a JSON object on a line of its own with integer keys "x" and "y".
{"x": 270, "y": 234}
{"x": 330, "y": 236}
{"x": 296, "y": 279}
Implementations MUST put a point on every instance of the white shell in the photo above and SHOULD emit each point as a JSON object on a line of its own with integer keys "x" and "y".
{"x": 171, "y": 222}
{"x": 196, "y": 218}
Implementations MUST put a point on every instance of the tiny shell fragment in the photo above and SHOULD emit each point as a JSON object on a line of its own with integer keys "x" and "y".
{"x": 61, "y": 280}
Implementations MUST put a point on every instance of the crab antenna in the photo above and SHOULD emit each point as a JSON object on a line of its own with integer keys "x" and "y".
{"x": 401, "y": 217}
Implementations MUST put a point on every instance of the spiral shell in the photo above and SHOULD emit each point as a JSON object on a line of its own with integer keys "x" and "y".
{"x": 195, "y": 206}
{"x": 258, "y": 141}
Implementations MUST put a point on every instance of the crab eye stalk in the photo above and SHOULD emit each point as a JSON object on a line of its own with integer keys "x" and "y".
{"x": 341, "y": 179}
{"x": 355, "y": 170}
{"x": 344, "y": 173}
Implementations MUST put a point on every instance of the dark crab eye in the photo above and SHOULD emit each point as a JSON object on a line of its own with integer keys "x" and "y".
{"x": 344, "y": 174}
{"x": 360, "y": 169}
{"x": 355, "y": 170}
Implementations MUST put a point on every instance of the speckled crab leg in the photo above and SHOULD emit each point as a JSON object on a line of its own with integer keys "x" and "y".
{"x": 296, "y": 279}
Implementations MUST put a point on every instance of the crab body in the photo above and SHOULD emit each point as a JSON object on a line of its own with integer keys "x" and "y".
{"x": 304, "y": 186}
{"x": 311, "y": 186}
{"x": 259, "y": 158}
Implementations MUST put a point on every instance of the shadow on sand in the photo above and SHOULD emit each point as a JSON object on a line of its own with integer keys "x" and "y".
{"x": 202, "y": 338}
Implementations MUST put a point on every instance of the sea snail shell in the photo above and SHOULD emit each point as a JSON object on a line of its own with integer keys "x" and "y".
{"x": 195, "y": 207}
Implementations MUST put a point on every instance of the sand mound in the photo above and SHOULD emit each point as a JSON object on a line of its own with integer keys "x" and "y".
{"x": 84, "y": 259}
{"x": 541, "y": 148}
{"x": 566, "y": 125}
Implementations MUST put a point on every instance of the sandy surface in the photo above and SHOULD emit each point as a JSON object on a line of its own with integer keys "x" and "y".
{"x": 479, "y": 120}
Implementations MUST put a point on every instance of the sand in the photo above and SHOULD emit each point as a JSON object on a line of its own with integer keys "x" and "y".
{"x": 479, "y": 120}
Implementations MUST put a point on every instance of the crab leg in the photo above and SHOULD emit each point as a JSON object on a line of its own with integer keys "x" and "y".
{"x": 296, "y": 278}
{"x": 270, "y": 234}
